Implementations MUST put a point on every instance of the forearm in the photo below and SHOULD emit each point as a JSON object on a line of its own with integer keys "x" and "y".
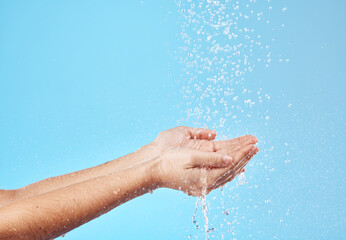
{"x": 54, "y": 213}
{"x": 54, "y": 183}
{"x": 175, "y": 159}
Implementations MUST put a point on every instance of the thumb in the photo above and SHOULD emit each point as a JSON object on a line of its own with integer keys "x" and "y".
{"x": 210, "y": 160}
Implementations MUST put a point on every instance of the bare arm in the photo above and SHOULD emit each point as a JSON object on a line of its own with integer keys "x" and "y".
{"x": 7, "y": 196}
{"x": 54, "y": 183}
{"x": 179, "y": 137}
{"x": 54, "y": 213}
{"x": 181, "y": 158}
{"x": 197, "y": 138}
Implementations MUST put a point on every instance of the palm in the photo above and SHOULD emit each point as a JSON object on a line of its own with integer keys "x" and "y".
{"x": 190, "y": 153}
{"x": 201, "y": 140}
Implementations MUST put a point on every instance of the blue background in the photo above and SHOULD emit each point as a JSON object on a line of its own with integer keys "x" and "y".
{"x": 84, "y": 82}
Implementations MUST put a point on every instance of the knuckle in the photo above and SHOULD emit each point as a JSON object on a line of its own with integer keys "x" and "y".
{"x": 217, "y": 160}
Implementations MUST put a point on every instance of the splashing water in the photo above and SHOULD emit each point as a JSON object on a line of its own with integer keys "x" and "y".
{"x": 194, "y": 220}
{"x": 241, "y": 180}
{"x": 204, "y": 203}
{"x": 205, "y": 217}
{"x": 221, "y": 43}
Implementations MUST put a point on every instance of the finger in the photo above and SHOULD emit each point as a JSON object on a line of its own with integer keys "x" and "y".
{"x": 233, "y": 171}
{"x": 202, "y": 133}
{"x": 238, "y": 156}
{"x": 241, "y": 158}
{"x": 244, "y": 153}
{"x": 235, "y": 143}
{"x": 201, "y": 145}
{"x": 229, "y": 176}
{"x": 210, "y": 160}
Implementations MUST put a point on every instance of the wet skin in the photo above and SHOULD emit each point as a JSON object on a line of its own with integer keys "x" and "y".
{"x": 181, "y": 158}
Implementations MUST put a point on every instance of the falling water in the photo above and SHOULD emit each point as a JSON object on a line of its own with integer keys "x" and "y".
{"x": 221, "y": 43}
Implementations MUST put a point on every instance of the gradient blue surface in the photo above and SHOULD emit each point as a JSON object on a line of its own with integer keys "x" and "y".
{"x": 84, "y": 82}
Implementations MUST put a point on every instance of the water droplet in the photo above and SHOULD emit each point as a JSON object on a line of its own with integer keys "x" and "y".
{"x": 225, "y": 212}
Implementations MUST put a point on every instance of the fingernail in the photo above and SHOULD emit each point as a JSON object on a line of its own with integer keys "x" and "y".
{"x": 227, "y": 159}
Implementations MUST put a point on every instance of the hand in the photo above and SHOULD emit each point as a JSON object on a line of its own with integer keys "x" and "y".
{"x": 186, "y": 137}
{"x": 191, "y": 162}
{"x": 197, "y": 139}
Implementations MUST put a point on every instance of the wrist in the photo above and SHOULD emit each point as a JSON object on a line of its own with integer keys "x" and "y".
{"x": 151, "y": 159}
{"x": 149, "y": 151}
{"x": 153, "y": 173}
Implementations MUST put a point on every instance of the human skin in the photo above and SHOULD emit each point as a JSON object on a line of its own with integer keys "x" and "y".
{"x": 181, "y": 158}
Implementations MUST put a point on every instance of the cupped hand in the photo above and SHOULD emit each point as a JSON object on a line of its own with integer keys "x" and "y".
{"x": 191, "y": 162}
{"x": 185, "y": 137}
{"x": 198, "y": 139}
